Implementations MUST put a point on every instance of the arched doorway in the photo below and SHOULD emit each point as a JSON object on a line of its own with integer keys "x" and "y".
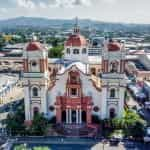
{"x": 35, "y": 91}
{"x": 73, "y": 116}
{"x": 84, "y": 116}
{"x": 35, "y": 111}
{"x": 63, "y": 116}
{"x": 112, "y": 113}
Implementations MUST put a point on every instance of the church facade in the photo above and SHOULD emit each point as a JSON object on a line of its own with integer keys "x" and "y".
{"x": 76, "y": 88}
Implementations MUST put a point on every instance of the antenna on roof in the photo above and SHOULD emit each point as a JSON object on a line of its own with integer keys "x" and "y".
{"x": 76, "y": 21}
{"x": 76, "y": 26}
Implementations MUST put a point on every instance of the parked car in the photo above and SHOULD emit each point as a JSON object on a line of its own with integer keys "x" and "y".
{"x": 147, "y": 136}
{"x": 141, "y": 113}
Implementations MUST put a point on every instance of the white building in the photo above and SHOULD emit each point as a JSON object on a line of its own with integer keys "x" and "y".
{"x": 74, "y": 92}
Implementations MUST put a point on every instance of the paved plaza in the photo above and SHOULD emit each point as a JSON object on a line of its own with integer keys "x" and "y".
{"x": 61, "y": 143}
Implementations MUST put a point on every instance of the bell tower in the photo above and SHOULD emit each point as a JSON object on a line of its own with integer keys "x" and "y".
{"x": 113, "y": 79}
{"x": 36, "y": 79}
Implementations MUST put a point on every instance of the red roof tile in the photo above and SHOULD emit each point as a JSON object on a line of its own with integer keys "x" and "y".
{"x": 114, "y": 46}
{"x": 76, "y": 40}
{"x": 34, "y": 46}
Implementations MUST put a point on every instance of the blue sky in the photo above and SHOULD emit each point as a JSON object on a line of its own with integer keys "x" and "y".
{"x": 130, "y": 11}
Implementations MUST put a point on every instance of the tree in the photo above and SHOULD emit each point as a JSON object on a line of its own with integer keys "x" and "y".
{"x": 15, "y": 121}
{"x": 55, "y": 41}
{"x": 56, "y": 52}
{"x": 41, "y": 148}
{"x": 20, "y": 147}
{"x": 39, "y": 125}
{"x": 131, "y": 123}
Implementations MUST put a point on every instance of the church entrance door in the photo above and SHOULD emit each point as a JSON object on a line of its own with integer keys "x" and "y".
{"x": 73, "y": 116}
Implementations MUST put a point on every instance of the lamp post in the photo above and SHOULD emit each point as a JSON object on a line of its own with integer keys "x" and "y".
{"x": 104, "y": 142}
{"x": 25, "y": 146}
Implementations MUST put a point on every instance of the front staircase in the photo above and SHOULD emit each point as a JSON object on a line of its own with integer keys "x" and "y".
{"x": 74, "y": 130}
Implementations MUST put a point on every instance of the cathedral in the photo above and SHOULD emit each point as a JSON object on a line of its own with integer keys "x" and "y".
{"x": 78, "y": 87}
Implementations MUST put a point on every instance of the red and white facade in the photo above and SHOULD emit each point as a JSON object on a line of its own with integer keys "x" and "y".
{"x": 73, "y": 96}
{"x": 36, "y": 79}
{"x": 76, "y": 47}
{"x": 113, "y": 79}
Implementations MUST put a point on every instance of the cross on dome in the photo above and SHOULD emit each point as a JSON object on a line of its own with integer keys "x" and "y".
{"x": 34, "y": 38}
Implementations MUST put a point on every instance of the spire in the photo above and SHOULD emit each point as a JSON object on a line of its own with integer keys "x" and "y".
{"x": 76, "y": 26}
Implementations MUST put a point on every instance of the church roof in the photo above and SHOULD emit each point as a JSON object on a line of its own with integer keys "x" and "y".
{"x": 76, "y": 40}
{"x": 114, "y": 46}
{"x": 34, "y": 46}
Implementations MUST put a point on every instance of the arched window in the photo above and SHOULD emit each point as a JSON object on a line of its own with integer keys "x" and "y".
{"x": 73, "y": 91}
{"x": 68, "y": 50}
{"x": 112, "y": 113}
{"x": 114, "y": 67}
{"x": 84, "y": 51}
{"x": 33, "y": 63}
{"x": 49, "y": 68}
{"x": 76, "y": 51}
{"x": 35, "y": 91}
{"x": 112, "y": 93}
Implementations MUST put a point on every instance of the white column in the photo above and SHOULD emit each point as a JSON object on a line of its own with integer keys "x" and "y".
{"x": 77, "y": 116}
{"x": 43, "y": 95}
{"x": 104, "y": 103}
{"x": 70, "y": 116}
{"x": 121, "y": 103}
{"x": 27, "y": 104}
{"x": 80, "y": 116}
{"x": 67, "y": 117}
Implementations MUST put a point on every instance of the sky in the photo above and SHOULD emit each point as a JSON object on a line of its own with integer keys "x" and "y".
{"x": 126, "y": 11}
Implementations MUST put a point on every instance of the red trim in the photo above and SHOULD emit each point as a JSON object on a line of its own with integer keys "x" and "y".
{"x": 107, "y": 63}
{"x": 25, "y": 65}
{"x": 67, "y": 101}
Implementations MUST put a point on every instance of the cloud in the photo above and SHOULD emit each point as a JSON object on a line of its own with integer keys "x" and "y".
{"x": 109, "y": 1}
{"x": 31, "y": 4}
{"x": 26, "y": 3}
{"x": 3, "y": 10}
{"x": 70, "y": 3}
{"x": 42, "y": 5}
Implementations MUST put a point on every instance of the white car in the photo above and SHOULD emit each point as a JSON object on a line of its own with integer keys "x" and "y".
{"x": 146, "y": 139}
{"x": 147, "y": 136}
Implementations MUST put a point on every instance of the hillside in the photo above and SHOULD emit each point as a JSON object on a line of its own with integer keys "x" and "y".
{"x": 47, "y": 23}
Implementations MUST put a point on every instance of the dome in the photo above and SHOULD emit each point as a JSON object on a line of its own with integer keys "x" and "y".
{"x": 76, "y": 40}
{"x": 114, "y": 46}
{"x": 34, "y": 46}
